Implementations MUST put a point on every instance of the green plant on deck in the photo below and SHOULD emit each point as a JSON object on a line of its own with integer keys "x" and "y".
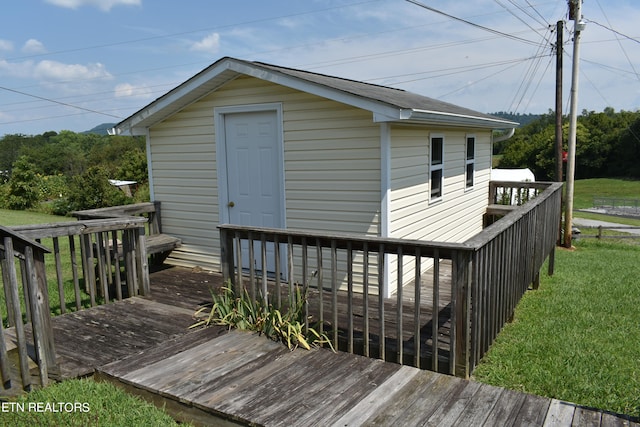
{"x": 245, "y": 313}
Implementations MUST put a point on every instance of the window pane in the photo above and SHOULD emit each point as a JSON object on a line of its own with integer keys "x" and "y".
{"x": 470, "y": 175}
{"x": 436, "y": 183}
{"x": 436, "y": 151}
{"x": 471, "y": 148}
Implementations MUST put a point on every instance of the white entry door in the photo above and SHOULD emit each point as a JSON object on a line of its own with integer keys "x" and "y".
{"x": 253, "y": 161}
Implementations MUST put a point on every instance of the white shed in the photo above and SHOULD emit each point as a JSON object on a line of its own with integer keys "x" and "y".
{"x": 256, "y": 144}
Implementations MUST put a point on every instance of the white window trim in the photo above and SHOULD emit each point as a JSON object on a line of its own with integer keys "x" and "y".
{"x": 433, "y": 167}
{"x": 471, "y": 161}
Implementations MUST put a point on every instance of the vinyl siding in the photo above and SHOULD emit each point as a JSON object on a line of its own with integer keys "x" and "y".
{"x": 457, "y": 216}
{"x": 331, "y": 158}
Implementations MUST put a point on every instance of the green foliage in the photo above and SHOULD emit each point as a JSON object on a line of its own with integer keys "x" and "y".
{"x": 256, "y": 315}
{"x": 577, "y": 337}
{"x": 133, "y": 166}
{"x": 23, "y": 185}
{"x": 92, "y": 190}
{"x": 607, "y": 145}
{"x": 100, "y": 404}
{"x": 58, "y": 158}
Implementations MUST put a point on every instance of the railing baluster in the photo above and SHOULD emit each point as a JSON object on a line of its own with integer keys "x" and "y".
{"x": 59, "y": 278}
{"x": 252, "y": 268}
{"x": 74, "y": 272}
{"x": 320, "y": 267}
{"x": 365, "y": 298}
{"x": 349, "y": 298}
{"x": 399, "y": 331}
{"x": 334, "y": 292}
{"x": 416, "y": 309}
{"x": 116, "y": 264}
{"x": 239, "y": 288}
{"x": 278, "y": 273}
{"x": 435, "y": 320}
{"x": 263, "y": 251}
{"x": 381, "y": 291}
{"x": 305, "y": 283}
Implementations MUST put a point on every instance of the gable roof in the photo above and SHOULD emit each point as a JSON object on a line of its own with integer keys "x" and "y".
{"x": 387, "y": 104}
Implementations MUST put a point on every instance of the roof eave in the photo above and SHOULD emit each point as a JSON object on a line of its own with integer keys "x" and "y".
{"x": 448, "y": 119}
{"x": 229, "y": 69}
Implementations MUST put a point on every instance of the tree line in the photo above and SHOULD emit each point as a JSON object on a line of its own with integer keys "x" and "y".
{"x": 607, "y": 145}
{"x": 62, "y": 172}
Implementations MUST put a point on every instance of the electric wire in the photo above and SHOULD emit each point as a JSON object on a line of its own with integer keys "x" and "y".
{"x": 619, "y": 42}
{"x": 482, "y": 27}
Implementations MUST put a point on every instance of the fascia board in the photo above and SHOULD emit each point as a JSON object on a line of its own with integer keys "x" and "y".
{"x": 178, "y": 95}
{"x": 450, "y": 119}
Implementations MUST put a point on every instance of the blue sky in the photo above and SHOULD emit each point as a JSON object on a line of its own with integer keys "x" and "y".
{"x": 73, "y": 64}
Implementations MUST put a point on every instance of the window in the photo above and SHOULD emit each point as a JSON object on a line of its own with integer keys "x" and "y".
{"x": 470, "y": 160}
{"x": 436, "y": 166}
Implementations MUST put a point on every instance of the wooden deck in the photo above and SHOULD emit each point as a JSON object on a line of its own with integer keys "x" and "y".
{"x": 210, "y": 376}
{"x": 242, "y": 378}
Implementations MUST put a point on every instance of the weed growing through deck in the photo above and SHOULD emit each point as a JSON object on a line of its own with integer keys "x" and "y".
{"x": 245, "y": 313}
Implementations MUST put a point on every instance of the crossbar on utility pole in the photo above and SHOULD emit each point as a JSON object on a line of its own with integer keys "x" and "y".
{"x": 576, "y": 13}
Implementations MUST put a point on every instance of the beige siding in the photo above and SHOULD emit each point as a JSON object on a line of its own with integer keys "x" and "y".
{"x": 332, "y": 167}
{"x": 458, "y": 215}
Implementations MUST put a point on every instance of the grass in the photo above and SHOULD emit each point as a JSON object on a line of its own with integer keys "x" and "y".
{"x": 100, "y": 404}
{"x": 577, "y": 338}
{"x": 9, "y": 218}
{"x": 586, "y": 189}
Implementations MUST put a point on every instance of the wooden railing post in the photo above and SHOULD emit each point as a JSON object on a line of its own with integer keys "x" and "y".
{"x": 40, "y": 313}
{"x": 10, "y": 278}
{"x": 226, "y": 254}
{"x": 461, "y": 311}
{"x": 142, "y": 262}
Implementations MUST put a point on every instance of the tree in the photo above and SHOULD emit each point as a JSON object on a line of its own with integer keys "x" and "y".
{"x": 92, "y": 190}
{"x": 23, "y": 185}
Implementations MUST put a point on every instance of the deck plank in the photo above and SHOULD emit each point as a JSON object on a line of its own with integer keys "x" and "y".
{"x": 211, "y": 375}
{"x": 362, "y": 411}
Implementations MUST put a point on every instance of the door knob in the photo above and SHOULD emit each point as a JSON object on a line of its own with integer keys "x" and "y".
{"x": 231, "y": 204}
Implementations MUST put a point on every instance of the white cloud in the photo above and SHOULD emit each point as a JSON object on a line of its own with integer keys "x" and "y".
{"x": 6, "y": 45}
{"x": 53, "y": 70}
{"x": 33, "y": 46}
{"x": 209, "y": 44}
{"x": 104, "y": 5}
{"x": 127, "y": 90}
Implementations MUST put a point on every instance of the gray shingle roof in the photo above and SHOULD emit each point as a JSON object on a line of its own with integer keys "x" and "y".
{"x": 388, "y": 95}
{"x": 386, "y": 103}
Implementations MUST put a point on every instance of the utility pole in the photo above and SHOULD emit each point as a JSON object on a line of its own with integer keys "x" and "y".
{"x": 575, "y": 13}
{"x": 559, "y": 139}
{"x": 559, "y": 53}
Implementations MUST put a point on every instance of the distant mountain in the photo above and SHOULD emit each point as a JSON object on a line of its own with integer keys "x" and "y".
{"x": 523, "y": 119}
{"x": 100, "y": 129}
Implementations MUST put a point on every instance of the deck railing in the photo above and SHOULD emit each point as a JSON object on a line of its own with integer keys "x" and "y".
{"x": 450, "y": 328}
{"x": 113, "y": 265}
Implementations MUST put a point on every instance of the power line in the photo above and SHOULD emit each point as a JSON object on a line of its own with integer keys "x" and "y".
{"x": 612, "y": 30}
{"x": 618, "y": 40}
{"x": 58, "y": 102}
{"x": 482, "y": 27}
{"x": 516, "y": 16}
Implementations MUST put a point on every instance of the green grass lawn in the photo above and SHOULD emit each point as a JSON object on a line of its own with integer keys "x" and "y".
{"x": 577, "y": 338}
{"x": 100, "y": 404}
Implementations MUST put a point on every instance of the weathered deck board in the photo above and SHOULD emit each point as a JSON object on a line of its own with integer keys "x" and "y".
{"x": 248, "y": 379}
{"x": 209, "y": 375}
